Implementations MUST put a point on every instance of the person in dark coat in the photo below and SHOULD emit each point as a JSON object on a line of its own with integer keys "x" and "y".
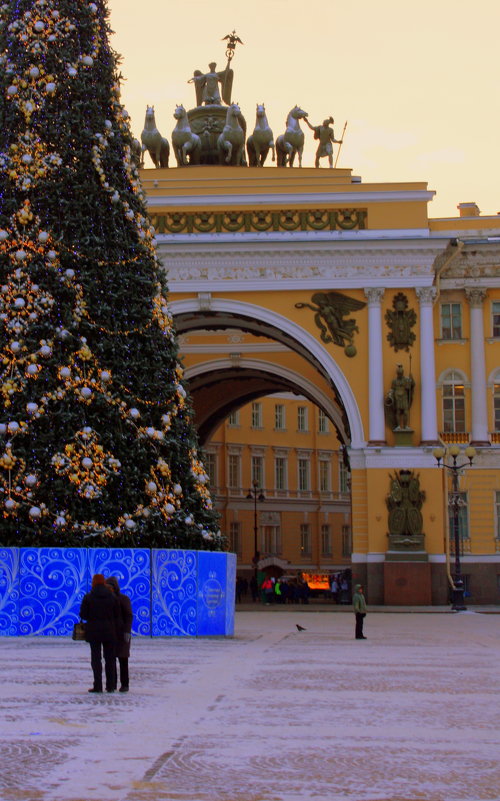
{"x": 101, "y": 610}
{"x": 123, "y": 633}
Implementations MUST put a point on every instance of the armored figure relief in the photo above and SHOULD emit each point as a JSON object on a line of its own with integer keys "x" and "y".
{"x": 404, "y": 503}
{"x": 326, "y": 138}
{"x": 400, "y": 321}
{"x": 399, "y": 399}
{"x": 330, "y": 308}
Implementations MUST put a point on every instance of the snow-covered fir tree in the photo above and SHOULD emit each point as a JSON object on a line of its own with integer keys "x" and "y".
{"x": 97, "y": 443}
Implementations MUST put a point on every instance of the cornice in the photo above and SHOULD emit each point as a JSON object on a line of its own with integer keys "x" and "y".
{"x": 356, "y": 196}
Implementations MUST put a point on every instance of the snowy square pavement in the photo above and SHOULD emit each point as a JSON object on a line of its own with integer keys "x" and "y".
{"x": 410, "y": 714}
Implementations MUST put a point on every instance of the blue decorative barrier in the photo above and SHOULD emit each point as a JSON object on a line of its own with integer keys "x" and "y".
{"x": 174, "y": 593}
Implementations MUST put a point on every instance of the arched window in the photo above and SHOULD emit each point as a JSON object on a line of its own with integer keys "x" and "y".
{"x": 453, "y": 402}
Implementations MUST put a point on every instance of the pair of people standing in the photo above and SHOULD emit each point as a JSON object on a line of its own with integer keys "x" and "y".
{"x": 108, "y": 614}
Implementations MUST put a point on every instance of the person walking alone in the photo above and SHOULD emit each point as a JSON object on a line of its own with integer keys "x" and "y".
{"x": 123, "y": 634}
{"x": 359, "y": 607}
{"x": 101, "y": 610}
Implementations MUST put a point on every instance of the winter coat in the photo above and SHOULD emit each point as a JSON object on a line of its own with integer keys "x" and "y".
{"x": 124, "y": 626}
{"x": 358, "y": 600}
{"x": 101, "y": 610}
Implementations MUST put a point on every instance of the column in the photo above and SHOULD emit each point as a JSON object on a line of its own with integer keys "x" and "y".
{"x": 428, "y": 412}
{"x": 479, "y": 432}
{"x": 375, "y": 366}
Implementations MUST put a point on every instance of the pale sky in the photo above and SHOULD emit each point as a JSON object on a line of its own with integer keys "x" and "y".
{"x": 417, "y": 83}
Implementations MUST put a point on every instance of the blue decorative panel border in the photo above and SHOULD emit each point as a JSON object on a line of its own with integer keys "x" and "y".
{"x": 174, "y": 593}
{"x": 132, "y": 568}
{"x": 9, "y": 592}
{"x": 51, "y": 588}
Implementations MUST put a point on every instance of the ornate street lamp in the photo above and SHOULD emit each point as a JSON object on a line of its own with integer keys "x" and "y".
{"x": 255, "y": 495}
{"x": 455, "y": 502}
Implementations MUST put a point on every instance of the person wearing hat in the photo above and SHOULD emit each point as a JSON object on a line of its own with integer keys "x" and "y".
{"x": 123, "y": 634}
{"x": 101, "y": 610}
{"x": 359, "y": 607}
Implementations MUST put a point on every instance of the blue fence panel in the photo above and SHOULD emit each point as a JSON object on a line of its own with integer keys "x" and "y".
{"x": 230, "y": 593}
{"x": 132, "y": 568}
{"x": 9, "y": 592}
{"x": 51, "y": 588}
{"x": 174, "y": 593}
{"x": 212, "y": 591}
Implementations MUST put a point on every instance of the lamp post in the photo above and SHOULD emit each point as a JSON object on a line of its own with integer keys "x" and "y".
{"x": 255, "y": 495}
{"x": 455, "y": 502}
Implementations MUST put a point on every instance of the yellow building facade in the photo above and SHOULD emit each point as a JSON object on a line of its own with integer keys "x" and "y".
{"x": 309, "y": 286}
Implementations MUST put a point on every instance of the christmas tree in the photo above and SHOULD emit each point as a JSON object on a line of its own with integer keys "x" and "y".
{"x": 97, "y": 443}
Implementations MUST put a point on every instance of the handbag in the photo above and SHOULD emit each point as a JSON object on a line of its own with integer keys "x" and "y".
{"x": 79, "y": 631}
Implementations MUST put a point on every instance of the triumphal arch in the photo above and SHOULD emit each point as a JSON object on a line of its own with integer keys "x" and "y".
{"x": 311, "y": 281}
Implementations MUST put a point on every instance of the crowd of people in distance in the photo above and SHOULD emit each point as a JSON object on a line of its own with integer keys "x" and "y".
{"x": 289, "y": 589}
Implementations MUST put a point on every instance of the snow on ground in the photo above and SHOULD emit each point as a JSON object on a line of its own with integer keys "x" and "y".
{"x": 410, "y": 714}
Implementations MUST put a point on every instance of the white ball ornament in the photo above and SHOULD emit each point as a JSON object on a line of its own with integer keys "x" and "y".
{"x": 65, "y": 372}
{"x": 177, "y": 489}
{"x": 169, "y": 508}
{"x": 3, "y": 235}
{"x": 35, "y": 512}
{"x": 3, "y": 428}
{"x": 88, "y": 61}
{"x": 39, "y": 26}
{"x": 30, "y": 480}
{"x": 60, "y": 520}
{"x": 10, "y": 504}
{"x": 19, "y": 303}
{"x": 32, "y": 408}
{"x": 188, "y": 520}
{"x": 134, "y": 413}
{"x": 34, "y": 72}
{"x": 13, "y": 427}
{"x": 43, "y": 236}
{"x": 87, "y": 462}
{"x": 50, "y": 88}
{"x": 52, "y": 255}
{"x": 150, "y": 431}
{"x": 69, "y": 273}
{"x": 105, "y": 375}
{"x": 32, "y": 369}
{"x": 45, "y": 350}
{"x": 151, "y": 486}
{"x": 12, "y": 90}
{"x": 86, "y": 392}
{"x": 20, "y": 255}
{"x": 130, "y": 524}
{"x": 15, "y": 346}
{"x": 72, "y": 71}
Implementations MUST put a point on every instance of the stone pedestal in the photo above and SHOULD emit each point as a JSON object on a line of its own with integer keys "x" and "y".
{"x": 407, "y": 583}
{"x": 403, "y": 437}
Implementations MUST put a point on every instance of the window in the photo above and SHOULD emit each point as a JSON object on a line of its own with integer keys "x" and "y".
{"x": 256, "y": 415}
{"x": 258, "y": 471}
{"x": 302, "y": 423}
{"x": 234, "y": 471}
{"x": 344, "y": 476}
{"x": 453, "y": 403}
{"x": 271, "y": 539}
{"x": 496, "y": 407}
{"x": 279, "y": 417}
{"x": 280, "y": 473}
{"x": 326, "y": 540}
{"x": 210, "y": 465}
{"x": 235, "y": 537}
{"x": 463, "y": 519}
{"x": 304, "y": 475}
{"x": 234, "y": 419}
{"x": 324, "y": 475}
{"x": 495, "y": 308}
{"x": 305, "y": 539}
{"x": 322, "y": 422}
{"x": 497, "y": 515}
{"x": 451, "y": 321}
{"x": 346, "y": 541}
